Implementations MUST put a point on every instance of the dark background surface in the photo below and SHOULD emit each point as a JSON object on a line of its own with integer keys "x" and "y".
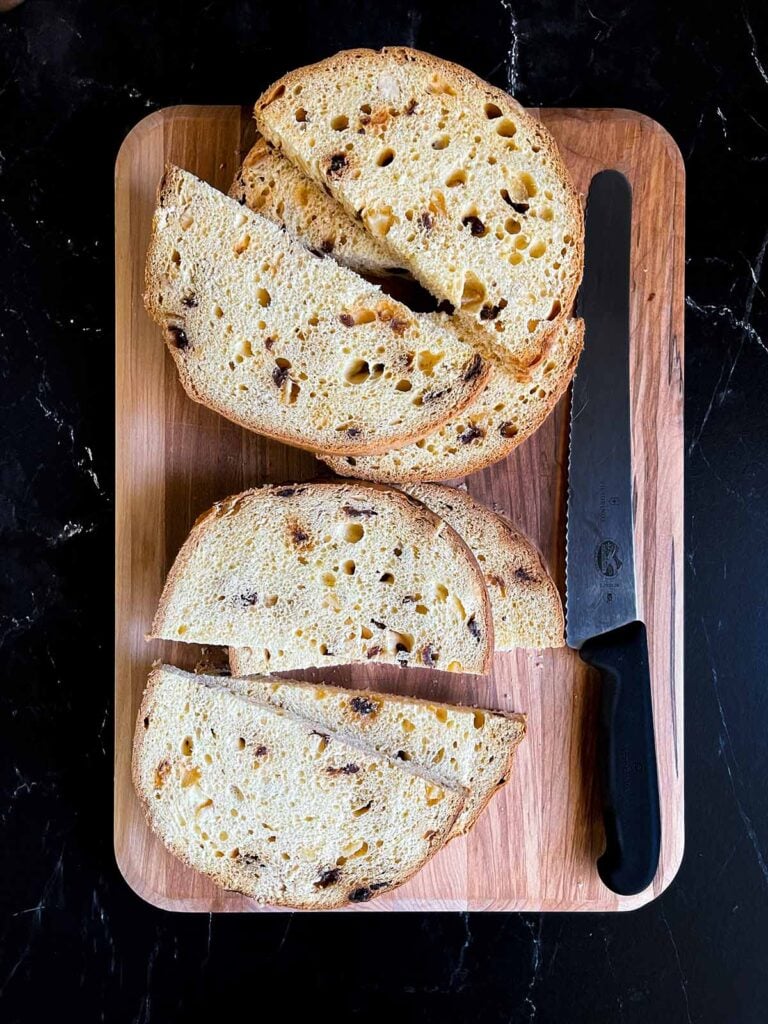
{"x": 74, "y": 940}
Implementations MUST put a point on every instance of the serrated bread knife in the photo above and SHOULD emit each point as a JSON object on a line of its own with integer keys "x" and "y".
{"x": 601, "y": 600}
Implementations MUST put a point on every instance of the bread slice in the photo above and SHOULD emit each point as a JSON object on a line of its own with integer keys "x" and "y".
{"x": 527, "y": 610}
{"x": 463, "y": 187}
{"x": 270, "y": 185}
{"x": 290, "y": 345}
{"x": 265, "y": 804}
{"x": 456, "y": 747}
{"x": 510, "y": 409}
{"x": 327, "y": 574}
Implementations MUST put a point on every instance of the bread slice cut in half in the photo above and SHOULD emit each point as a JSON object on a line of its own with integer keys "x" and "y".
{"x": 264, "y": 803}
{"x": 464, "y": 188}
{"x": 527, "y": 609}
{"x": 272, "y": 186}
{"x": 291, "y": 345}
{"x": 326, "y": 574}
{"x": 456, "y": 747}
{"x": 509, "y": 411}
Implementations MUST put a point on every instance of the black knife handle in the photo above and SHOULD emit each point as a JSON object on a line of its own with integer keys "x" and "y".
{"x": 627, "y": 759}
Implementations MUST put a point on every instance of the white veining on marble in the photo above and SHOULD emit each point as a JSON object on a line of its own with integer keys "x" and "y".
{"x": 728, "y": 756}
{"x": 513, "y": 51}
{"x": 681, "y": 973}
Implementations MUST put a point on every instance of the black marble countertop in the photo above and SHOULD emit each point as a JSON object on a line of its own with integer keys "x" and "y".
{"x": 74, "y": 77}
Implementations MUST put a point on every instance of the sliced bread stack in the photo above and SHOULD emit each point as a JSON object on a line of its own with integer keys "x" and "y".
{"x": 268, "y": 804}
{"x": 328, "y": 573}
{"x": 311, "y": 796}
{"x": 390, "y": 162}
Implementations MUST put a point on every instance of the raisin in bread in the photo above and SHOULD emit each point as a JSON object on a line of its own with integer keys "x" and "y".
{"x": 463, "y": 187}
{"x": 265, "y": 804}
{"x": 269, "y": 184}
{"x": 288, "y": 344}
{"x": 511, "y": 408}
{"x": 527, "y": 610}
{"x": 455, "y": 746}
{"x": 326, "y": 574}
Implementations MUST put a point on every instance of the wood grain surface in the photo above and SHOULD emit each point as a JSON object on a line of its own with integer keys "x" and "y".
{"x": 536, "y": 845}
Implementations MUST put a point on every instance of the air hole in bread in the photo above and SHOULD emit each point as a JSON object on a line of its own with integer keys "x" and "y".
{"x": 506, "y": 128}
{"x": 300, "y": 114}
{"x": 380, "y": 221}
{"x": 514, "y": 259}
{"x": 441, "y": 592}
{"x": 263, "y": 296}
{"x": 386, "y": 577}
{"x": 186, "y": 746}
{"x": 537, "y": 249}
{"x": 176, "y": 257}
{"x": 353, "y": 533}
{"x": 521, "y": 242}
{"x": 512, "y": 226}
{"x": 455, "y": 178}
{"x": 385, "y": 157}
{"x": 492, "y": 111}
{"x": 340, "y": 122}
{"x": 348, "y": 567}
{"x": 473, "y": 292}
{"x": 434, "y": 794}
{"x": 365, "y": 108}
{"x": 528, "y": 183}
{"x": 329, "y": 579}
{"x": 402, "y": 641}
{"x": 357, "y": 371}
{"x": 182, "y": 630}
{"x": 427, "y": 361}
{"x": 437, "y": 85}
{"x": 403, "y": 385}
{"x": 242, "y": 245}
{"x": 441, "y": 142}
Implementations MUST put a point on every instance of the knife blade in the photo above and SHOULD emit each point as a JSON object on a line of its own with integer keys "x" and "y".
{"x": 601, "y": 597}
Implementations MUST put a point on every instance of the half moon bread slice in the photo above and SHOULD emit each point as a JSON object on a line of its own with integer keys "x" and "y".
{"x": 265, "y": 804}
{"x": 509, "y": 411}
{"x": 464, "y": 188}
{"x": 527, "y": 609}
{"x": 288, "y": 344}
{"x": 272, "y": 186}
{"x": 457, "y": 747}
{"x": 324, "y": 574}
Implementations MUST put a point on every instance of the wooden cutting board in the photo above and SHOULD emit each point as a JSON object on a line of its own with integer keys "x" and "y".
{"x": 535, "y": 847}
